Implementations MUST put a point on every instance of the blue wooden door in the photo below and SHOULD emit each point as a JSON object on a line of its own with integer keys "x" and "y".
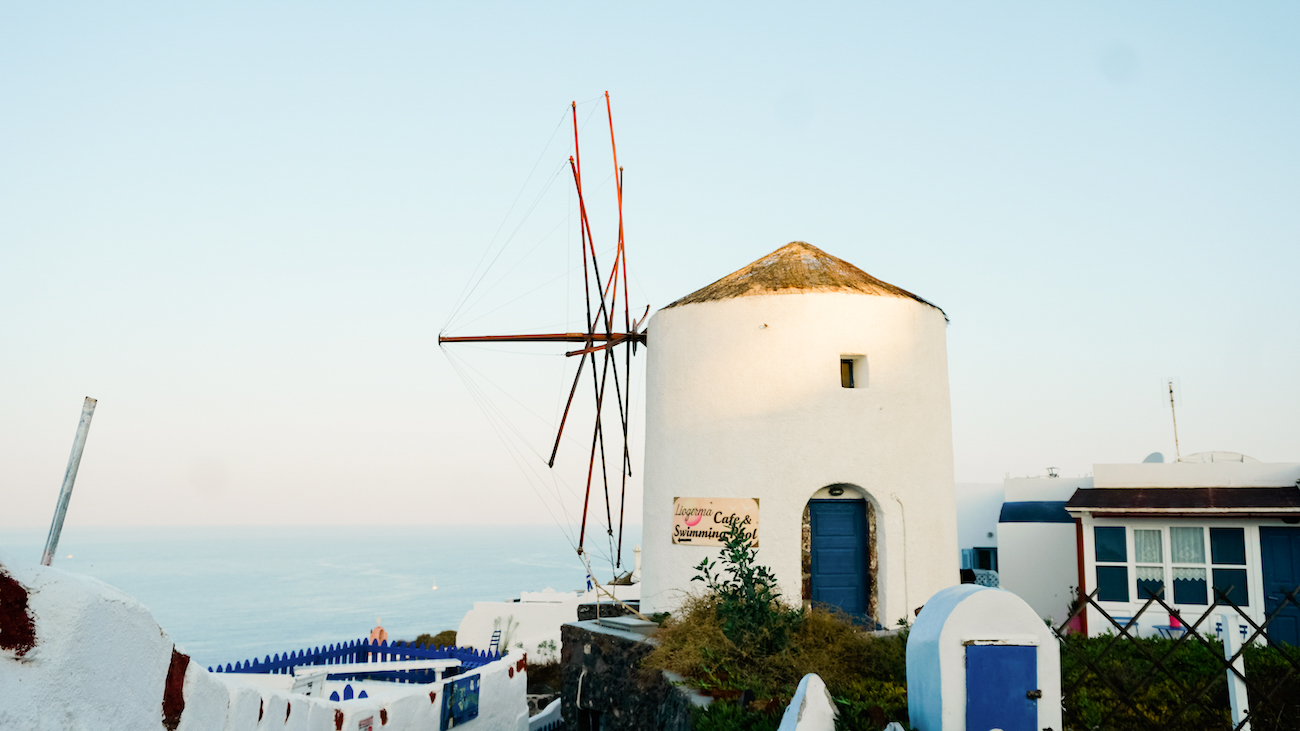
{"x": 1001, "y": 681}
{"x": 1280, "y": 550}
{"x": 839, "y": 554}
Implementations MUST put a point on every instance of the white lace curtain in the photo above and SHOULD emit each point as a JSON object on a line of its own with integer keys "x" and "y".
{"x": 1187, "y": 545}
{"x": 1146, "y": 544}
{"x": 1151, "y": 573}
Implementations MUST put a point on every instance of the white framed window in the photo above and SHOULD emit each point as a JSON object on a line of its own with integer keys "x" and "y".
{"x": 1187, "y": 549}
{"x": 1110, "y": 549}
{"x": 1187, "y": 562}
{"x": 1228, "y": 564}
{"x": 1149, "y": 554}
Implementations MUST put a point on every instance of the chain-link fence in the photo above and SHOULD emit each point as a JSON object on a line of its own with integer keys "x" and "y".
{"x": 1181, "y": 679}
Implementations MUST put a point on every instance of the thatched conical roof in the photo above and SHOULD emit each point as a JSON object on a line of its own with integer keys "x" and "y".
{"x": 796, "y": 268}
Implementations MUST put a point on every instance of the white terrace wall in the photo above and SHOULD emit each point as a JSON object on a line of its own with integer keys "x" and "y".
{"x": 536, "y": 622}
{"x": 1197, "y": 474}
{"x": 744, "y": 400}
{"x": 1039, "y": 563}
{"x": 977, "y": 514}
{"x": 1039, "y": 560}
{"x": 101, "y": 661}
{"x": 536, "y": 619}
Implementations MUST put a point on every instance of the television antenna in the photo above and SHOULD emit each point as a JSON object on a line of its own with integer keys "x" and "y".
{"x": 1173, "y": 412}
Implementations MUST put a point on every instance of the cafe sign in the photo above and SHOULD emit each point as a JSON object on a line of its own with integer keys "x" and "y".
{"x": 703, "y": 521}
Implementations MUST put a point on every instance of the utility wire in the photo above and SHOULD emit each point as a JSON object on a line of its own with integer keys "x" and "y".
{"x": 509, "y": 210}
{"x": 510, "y": 450}
{"x": 505, "y": 245}
{"x": 460, "y": 302}
{"x": 466, "y": 307}
{"x": 503, "y": 427}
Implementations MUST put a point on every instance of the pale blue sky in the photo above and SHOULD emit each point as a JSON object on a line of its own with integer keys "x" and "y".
{"x": 242, "y": 226}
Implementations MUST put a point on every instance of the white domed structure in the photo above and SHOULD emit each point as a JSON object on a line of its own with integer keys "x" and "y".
{"x": 820, "y": 392}
{"x": 1217, "y": 456}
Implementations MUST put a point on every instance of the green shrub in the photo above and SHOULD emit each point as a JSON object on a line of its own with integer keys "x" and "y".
{"x": 748, "y": 604}
{"x": 871, "y": 704}
{"x": 738, "y": 637}
{"x": 548, "y": 651}
{"x": 1094, "y": 699}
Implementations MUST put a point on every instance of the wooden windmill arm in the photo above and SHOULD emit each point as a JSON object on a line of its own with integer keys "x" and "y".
{"x": 613, "y": 340}
{"x": 543, "y": 338}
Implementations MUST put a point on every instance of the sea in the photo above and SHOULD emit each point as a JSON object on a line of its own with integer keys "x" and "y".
{"x": 231, "y": 593}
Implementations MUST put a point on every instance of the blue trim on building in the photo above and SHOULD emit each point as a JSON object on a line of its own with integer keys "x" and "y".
{"x": 1035, "y": 511}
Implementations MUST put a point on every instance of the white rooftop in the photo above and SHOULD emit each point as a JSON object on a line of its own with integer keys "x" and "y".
{"x": 1203, "y": 469}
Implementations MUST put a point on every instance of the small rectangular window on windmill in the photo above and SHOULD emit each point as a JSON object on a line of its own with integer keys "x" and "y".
{"x": 853, "y": 371}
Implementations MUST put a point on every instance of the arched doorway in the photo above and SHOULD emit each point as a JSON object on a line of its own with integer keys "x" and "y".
{"x": 839, "y": 551}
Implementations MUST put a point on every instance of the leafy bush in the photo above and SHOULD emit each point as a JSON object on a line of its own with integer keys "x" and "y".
{"x": 445, "y": 638}
{"x": 747, "y": 600}
{"x": 872, "y": 704}
{"x": 738, "y": 637}
{"x": 1093, "y": 699}
{"x": 547, "y": 652}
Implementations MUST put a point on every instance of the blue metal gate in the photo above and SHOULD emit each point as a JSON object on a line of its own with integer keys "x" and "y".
{"x": 1280, "y": 550}
{"x": 839, "y": 554}
{"x": 1001, "y": 688}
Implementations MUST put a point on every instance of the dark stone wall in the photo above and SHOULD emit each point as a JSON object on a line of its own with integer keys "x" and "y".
{"x": 613, "y": 683}
{"x": 607, "y": 609}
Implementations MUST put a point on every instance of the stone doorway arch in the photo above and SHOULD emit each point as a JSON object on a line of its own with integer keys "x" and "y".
{"x": 870, "y": 559}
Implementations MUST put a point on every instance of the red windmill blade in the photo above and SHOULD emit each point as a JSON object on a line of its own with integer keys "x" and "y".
{"x": 601, "y": 336}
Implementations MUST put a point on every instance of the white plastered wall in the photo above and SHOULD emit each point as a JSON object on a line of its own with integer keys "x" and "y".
{"x": 101, "y": 661}
{"x": 536, "y": 619}
{"x": 1039, "y": 563}
{"x": 534, "y": 623}
{"x": 977, "y": 514}
{"x": 744, "y": 400}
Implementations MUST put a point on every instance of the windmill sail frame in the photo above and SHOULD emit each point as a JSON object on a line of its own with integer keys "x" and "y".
{"x": 601, "y": 336}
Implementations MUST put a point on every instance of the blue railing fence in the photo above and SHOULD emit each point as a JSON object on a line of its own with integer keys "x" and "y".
{"x": 347, "y": 694}
{"x": 363, "y": 651}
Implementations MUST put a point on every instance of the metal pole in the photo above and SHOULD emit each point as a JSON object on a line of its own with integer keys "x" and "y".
{"x": 1237, "y": 696}
{"x": 69, "y": 478}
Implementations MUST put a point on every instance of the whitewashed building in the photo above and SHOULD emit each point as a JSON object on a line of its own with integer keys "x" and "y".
{"x": 808, "y": 400}
{"x": 1038, "y": 542}
{"x": 978, "y": 506}
{"x": 1214, "y": 520}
